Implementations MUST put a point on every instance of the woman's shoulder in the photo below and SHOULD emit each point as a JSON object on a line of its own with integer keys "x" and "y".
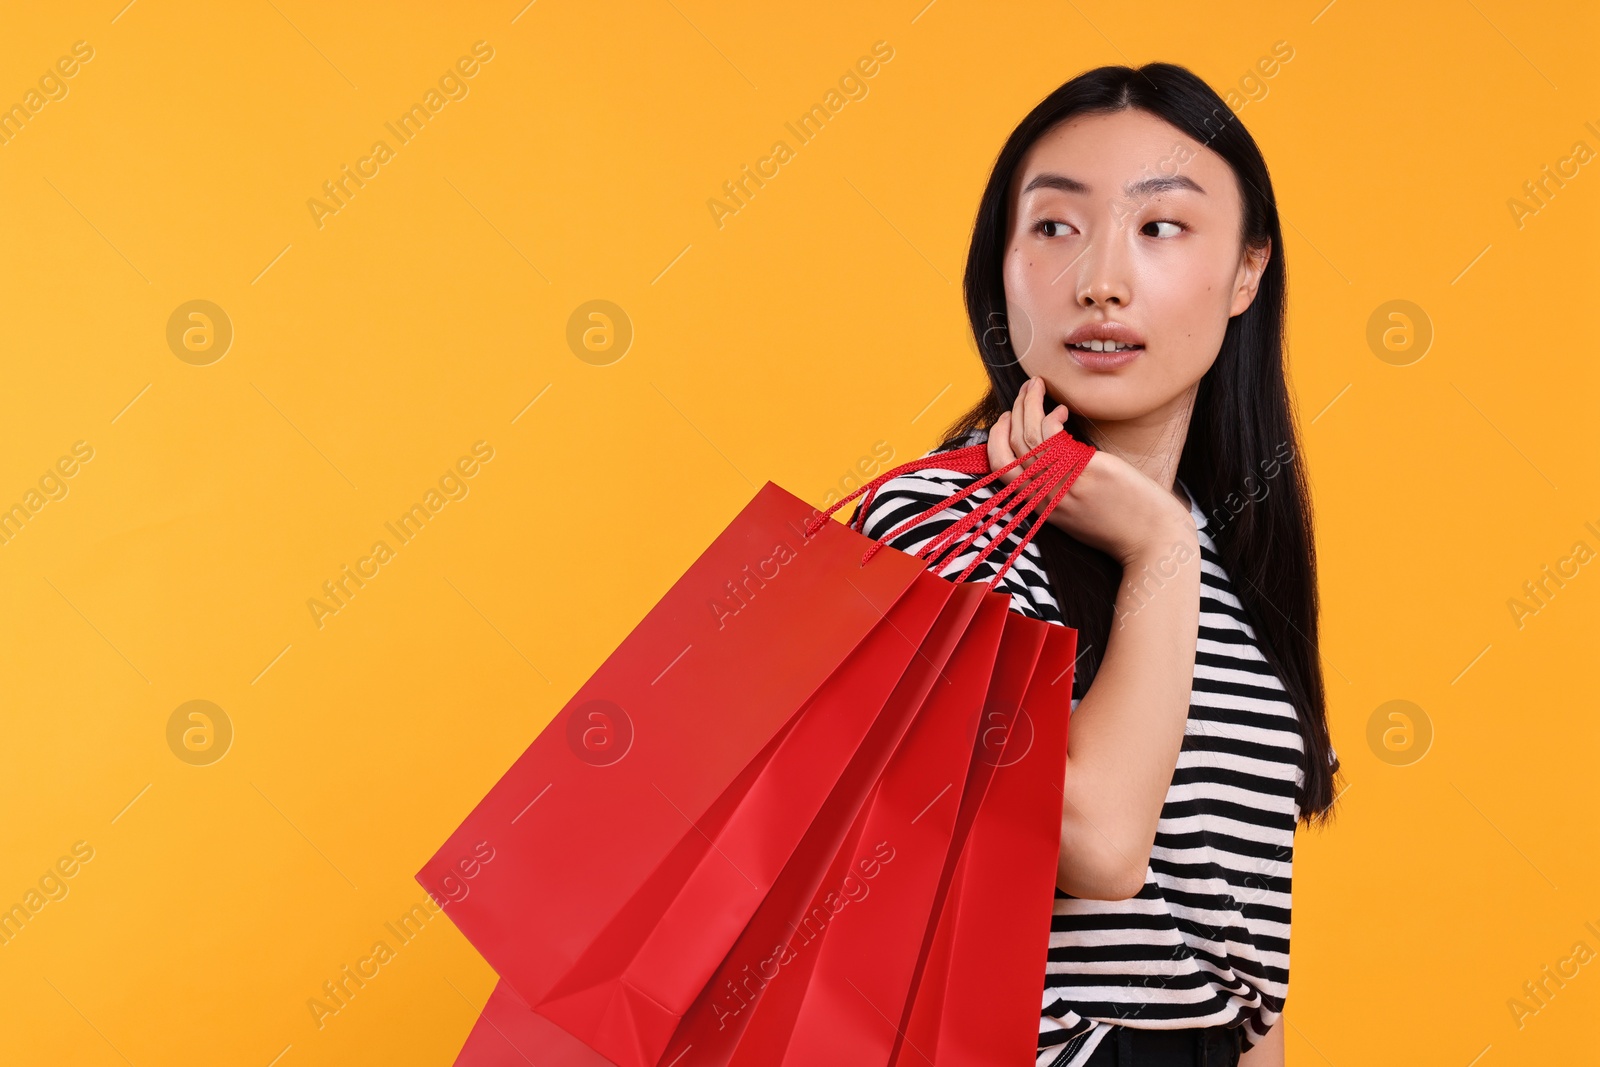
{"x": 923, "y": 486}
{"x": 929, "y": 493}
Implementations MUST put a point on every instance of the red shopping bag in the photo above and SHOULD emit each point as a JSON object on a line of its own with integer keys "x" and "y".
{"x": 851, "y": 1006}
{"x": 695, "y": 697}
{"x": 976, "y": 1000}
{"x": 837, "y": 989}
{"x": 743, "y": 1014}
{"x": 842, "y": 1010}
{"x": 631, "y": 969}
{"x": 626, "y": 995}
{"x": 506, "y": 1038}
{"x": 508, "y": 1033}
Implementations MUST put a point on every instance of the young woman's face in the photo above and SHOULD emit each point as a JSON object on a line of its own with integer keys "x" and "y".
{"x": 1121, "y": 220}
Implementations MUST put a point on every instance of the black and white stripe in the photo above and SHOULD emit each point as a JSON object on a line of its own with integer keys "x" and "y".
{"x": 1206, "y": 941}
{"x": 909, "y": 495}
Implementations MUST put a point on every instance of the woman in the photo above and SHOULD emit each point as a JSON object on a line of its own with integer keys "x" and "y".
{"x": 1126, "y": 282}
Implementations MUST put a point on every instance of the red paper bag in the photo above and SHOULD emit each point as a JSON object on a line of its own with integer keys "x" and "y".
{"x": 626, "y": 996}
{"x": 504, "y": 1035}
{"x": 508, "y": 1033}
{"x": 743, "y": 1014}
{"x": 866, "y": 963}
{"x": 976, "y": 999}
{"x": 704, "y": 685}
{"x": 625, "y": 979}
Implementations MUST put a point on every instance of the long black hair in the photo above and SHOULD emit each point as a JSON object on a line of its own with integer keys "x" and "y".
{"x": 1241, "y": 460}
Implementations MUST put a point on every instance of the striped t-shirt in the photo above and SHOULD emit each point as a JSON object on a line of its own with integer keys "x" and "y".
{"x": 1205, "y": 942}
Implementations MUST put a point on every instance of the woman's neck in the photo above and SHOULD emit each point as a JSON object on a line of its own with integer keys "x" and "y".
{"x": 1152, "y": 442}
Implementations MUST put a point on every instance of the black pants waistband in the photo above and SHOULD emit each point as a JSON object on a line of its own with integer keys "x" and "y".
{"x": 1211, "y": 1046}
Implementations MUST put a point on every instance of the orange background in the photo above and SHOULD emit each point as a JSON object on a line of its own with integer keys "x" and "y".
{"x": 813, "y": 331}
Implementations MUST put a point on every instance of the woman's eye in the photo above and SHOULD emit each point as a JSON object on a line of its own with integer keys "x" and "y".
{"x": 1050, "y": 227}
{"x": 1177, "y": 227}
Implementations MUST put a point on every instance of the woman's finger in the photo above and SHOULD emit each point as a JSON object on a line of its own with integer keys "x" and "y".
{"x": 1033, "y": 413}
{"x": 1000, "y": 452}
{"x": 1018, "y": 444}
{"x": 1056, "y": 421}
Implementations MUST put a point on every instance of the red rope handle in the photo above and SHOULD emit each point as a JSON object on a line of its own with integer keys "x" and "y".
{"x": 1028, "y": 488}
{"x": 1057, "y": 462}
{"x": 1062, "y": 457}
{"x": 1066, "y": 464}
{"x": 1075, "y": 469}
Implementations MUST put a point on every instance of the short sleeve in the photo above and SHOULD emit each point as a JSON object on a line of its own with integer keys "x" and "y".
{"x": 909, "y": 495}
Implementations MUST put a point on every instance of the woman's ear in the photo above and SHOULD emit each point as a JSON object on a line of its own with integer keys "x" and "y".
{"x": 1251, "y": 268}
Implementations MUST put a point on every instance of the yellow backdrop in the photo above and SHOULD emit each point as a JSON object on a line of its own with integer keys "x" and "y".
{"x": 285, "y": 280}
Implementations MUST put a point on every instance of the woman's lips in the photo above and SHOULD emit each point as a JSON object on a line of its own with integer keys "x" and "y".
{"x": 1104, "y": 361}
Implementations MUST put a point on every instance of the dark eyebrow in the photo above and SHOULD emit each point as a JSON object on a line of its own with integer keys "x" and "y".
{"x": 1142, "y": 188}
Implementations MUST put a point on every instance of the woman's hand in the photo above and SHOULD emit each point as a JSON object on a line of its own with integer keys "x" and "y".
{"x": 1112, "y": 506}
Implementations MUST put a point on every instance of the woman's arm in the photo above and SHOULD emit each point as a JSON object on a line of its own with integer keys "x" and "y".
{"x": 1268, "y": 1052}
{"x": 1128, "y": 728}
